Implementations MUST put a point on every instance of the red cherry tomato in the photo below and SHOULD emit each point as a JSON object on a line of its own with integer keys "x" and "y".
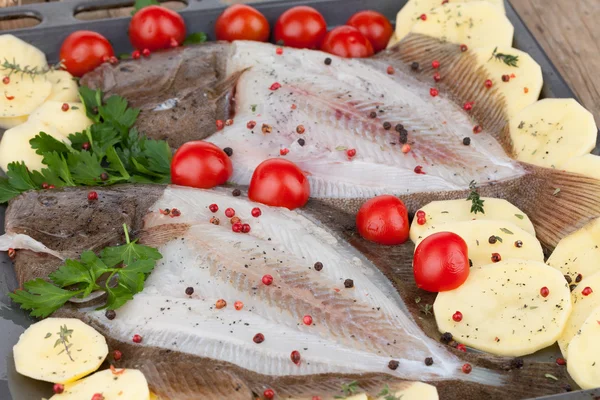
{"x": 279, "y": 183}
{"x": 82, "y": 51}
{"x": 300, "y": 27}
{"x": 200, "y": 164}
{"x": 441, "y": 262}
{"x": 383, "y": 220}
{"x": 374, "y": 26}
{"x": 156, "y": 28}
{"x": 242, "y": 22}
{"x": 347, "y": 41}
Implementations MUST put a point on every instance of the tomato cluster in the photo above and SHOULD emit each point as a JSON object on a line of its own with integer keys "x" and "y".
{"x": 303, "y": 27}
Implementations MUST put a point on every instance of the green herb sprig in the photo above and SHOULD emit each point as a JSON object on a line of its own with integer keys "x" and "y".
{"x": 348, "y": 389}
{"x": 477, "y": 203}
{"x": 14, "y": 68}
{"x": 387, "y": 394}
{"x": 117, "y": 152}
{"x": 508, "y": 59}
{"x": 130, "y": 264}
{"x": 63, "y": 338}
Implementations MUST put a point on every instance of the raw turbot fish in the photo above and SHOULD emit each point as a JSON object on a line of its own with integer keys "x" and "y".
{"x": 342, "y": 105}
{"x": 190, "y": 346}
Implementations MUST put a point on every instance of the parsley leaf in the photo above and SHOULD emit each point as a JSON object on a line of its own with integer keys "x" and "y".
{"x": 41, "y": 297}
{"x": 18, "y": 176}
{"x": 139, "y": 4}
{"x": 7, "y": 192}
{"x": 159, "y": 156}
{"x": 44, "y": 143}
{"x": 116, "y": 111}
{"x": 57, "y": 163}
{"x": 85, "y": 168}
{"x": 195, "y": 38}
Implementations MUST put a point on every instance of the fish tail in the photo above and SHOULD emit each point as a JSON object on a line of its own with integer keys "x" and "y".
{"x": 462, "y": 79}
{"x": 562, "y": 202}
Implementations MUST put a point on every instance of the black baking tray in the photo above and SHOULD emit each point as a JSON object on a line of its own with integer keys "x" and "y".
{"x": 58, "y": 21}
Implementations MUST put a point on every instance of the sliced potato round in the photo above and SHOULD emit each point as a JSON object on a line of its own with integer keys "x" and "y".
{"x": 525, "y": 84}
{"x": 16, "y": 51}
{"x": 409, "y": 14}
{"x": 64, "y": 87}
{"x": 476, "y": 24}
{"x": 22, "y": 95}
{"x": 41, "y": 355}
{"x": 11, "y": 122}
{"x": 441, "y": 212}
{"x": 583, "y": 306}
{"x": 415, "y": 391}
{"x": 586, "y": 165}
{"x": 550, "y": 132}
{"x": 65, "y": 122}
{"x": 503, "y": 311}
{"x": 477, "y": 235}
{"x": 15, "y": 144}
{"x": 584, "y": 353}
{"x": 579, "y": 252}
{"x": 123, "y": 384}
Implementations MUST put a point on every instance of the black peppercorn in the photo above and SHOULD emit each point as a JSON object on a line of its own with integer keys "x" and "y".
{"x": 467, "y": 141}
{"x": 110, "y": 314}
{"x": 446, "y": 338}
{"x": 387, "y": 126}
{"x": 578, "y": 278}
{"x": 393, "y": 365}
{"x": 399, "y": 128}
{"x": 505, "y": 78}
{"x": 104, "y": 176}
{"x": 236, "y": 192}
{"x": 414, "y": 66}
{"x": 429, "y": 361}
{"x": 348, "y": 283}
{"x": 189, "y": 291}
{"x": 516, "y": 363}
{"x": 572, "y": 287}
{"x": 403, "y": 137}
{"x": 518, "y": 244}
{"x": 318, "y": 266}
{"x": 228, "y": 151}
{"x": 372, "y": 114}
{"x": 301, "y": 142}
{"x": 568, "y": 278}
{"x": 328, "y": 61}
{"x": 492, "y": 239}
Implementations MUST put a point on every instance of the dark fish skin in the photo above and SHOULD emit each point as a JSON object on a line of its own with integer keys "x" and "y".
{"x": 176, "y": 375}
{"x": 195, "y": 76}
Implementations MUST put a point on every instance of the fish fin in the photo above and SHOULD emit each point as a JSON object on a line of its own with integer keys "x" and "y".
{"x": 560, "y": 202}
{"x": 158, "y": 235}
{"x": 462, "y": 78}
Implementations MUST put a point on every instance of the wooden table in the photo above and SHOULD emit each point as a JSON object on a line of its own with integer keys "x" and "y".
{"x": 568, "y": 30}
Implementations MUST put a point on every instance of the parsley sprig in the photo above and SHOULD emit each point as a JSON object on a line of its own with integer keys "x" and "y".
{"x": 507, "y": 59}
{"x": 477, "y": 203}
{"x": 117, "y": 152}
{"x": 130, "y": 264}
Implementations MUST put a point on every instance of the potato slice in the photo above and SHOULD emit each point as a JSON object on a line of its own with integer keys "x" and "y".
{"x": 586, "y": 165}
{"x": 413, "y": 9}
{"x": 584, "y": 353}
{"x": 476, "y": 24}
{"x": 583, "y": 306}
{"x": 65, "y": 122}
{"x": 441, "y": 212}
{"x": 579, "y": 252}
{"x": 64, "y": 87}
{"x": 126, "y": 384}
{"x": 15, "y": 144}
{"x": 23, "y": 94}
{"x": 550, "y": 132}
{"x": 11, "y": 122}
{"x": 503, "y": 311}
{"x": 525, "y": 84}
{"x": 17, "y": 51}
{"x": 477, "y": 235}
{"x": 39, "y": 354}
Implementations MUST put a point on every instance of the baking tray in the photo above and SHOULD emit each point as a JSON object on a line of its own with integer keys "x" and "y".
{"x": 58, "y": 21}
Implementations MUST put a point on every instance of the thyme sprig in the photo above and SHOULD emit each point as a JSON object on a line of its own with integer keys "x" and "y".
{"x": 508, "y": 59}
{"x": 15, "y": 68}
{"x": 63, "y": 338}
{"x": 477, "y": 203}
{"x": 388, "y": 394}
{"x": 348, "y": 389}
